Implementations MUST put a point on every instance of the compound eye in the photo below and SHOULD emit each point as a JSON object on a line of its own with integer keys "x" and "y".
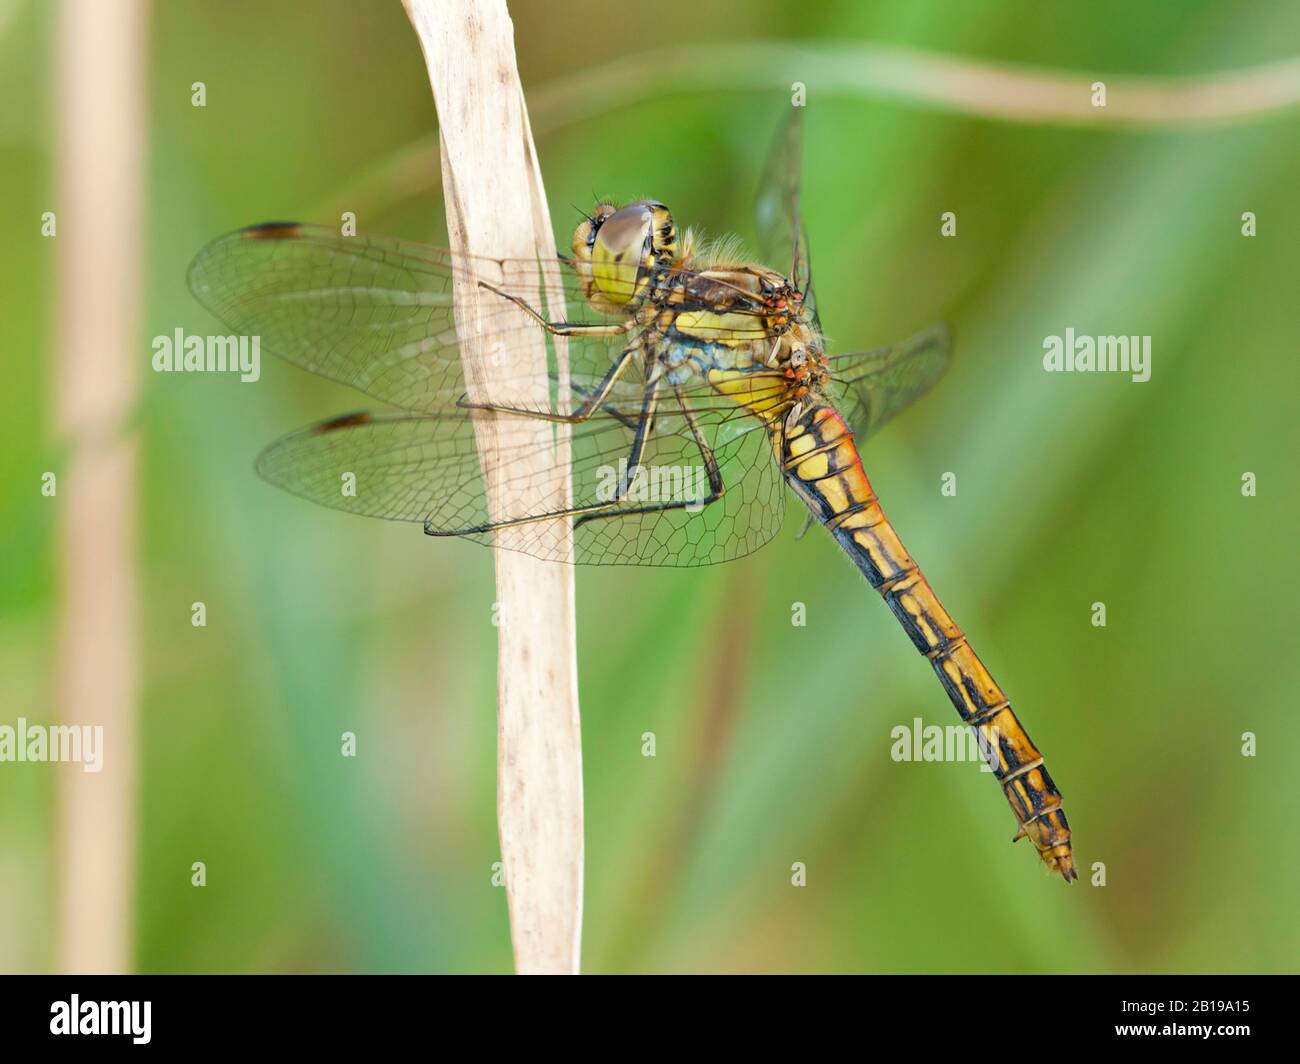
{"x": 618, "y": 253}
{"x": 626, "y": 230}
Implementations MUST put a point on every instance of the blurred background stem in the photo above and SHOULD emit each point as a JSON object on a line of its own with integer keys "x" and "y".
{"x": 999, "y": 91}
{"x": 101, "y": 142}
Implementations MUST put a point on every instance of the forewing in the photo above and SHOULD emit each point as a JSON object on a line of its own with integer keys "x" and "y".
{"x": 376, "y": 313}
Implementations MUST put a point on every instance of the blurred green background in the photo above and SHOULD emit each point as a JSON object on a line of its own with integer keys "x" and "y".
{"x": 773, "y": 740}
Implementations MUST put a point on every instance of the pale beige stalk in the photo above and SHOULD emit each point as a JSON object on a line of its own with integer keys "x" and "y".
{"x": 100, "y": 59}
{"x": 496, "y": 206}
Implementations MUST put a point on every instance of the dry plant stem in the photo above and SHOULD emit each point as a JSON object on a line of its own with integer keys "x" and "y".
{"x": 496, "y": 206}
{"x": 101, "y": 59}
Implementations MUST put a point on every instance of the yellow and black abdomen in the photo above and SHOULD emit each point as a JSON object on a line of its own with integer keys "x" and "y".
{"x": 821, "y": 463}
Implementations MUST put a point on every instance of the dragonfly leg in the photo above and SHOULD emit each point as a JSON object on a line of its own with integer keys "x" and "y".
{"x": 598, "y": 511}
{"x": 716, "y": 486}
{"x": 590, "y": 405}
{"x": 808, "y": 523}
{"x": 620, "y": 492}
{"x": 628, "y": 421}
{"x": 564, "y": 328}
{"x": 638, "y": 442}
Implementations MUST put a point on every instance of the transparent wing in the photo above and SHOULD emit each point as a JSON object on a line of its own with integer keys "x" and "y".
{"x": 783, "y": 240}
{"x": 426, "y": 468}
{"x": 375, "y": 313}
{"x": 871, "y": 387}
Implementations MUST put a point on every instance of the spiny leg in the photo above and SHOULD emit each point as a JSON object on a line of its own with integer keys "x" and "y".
{"x": 624, "y": 484}
{"x": 564, "y": 328}
{"x": 716, "y": 486}
{"x": 627, "y": 420}
{"x": 588, "y": 406}
{"x": 638, "y": 441}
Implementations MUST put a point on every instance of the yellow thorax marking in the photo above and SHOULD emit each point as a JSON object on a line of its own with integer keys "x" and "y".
{"x": 719, "y": 328}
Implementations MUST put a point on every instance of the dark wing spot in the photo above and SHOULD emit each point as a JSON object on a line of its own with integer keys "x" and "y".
{"x": 273, "y": 231}
{"x": 345, "y": 421}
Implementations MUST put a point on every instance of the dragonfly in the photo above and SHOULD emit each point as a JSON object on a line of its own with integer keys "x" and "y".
{"x": 693, "y": 387}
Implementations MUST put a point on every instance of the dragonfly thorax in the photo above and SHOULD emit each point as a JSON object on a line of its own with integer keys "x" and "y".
{"x": 702, "y": 311}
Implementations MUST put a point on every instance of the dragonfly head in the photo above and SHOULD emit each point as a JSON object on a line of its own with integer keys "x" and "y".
{"x": 617, "y": 248}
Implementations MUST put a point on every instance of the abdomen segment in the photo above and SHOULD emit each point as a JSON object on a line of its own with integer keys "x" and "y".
{"x": 821, "y": 463}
